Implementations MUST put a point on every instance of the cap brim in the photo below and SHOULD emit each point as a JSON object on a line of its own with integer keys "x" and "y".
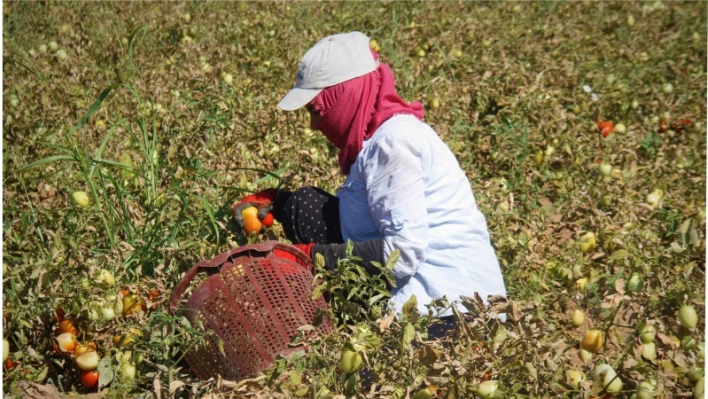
{"x": 297, "y": 98}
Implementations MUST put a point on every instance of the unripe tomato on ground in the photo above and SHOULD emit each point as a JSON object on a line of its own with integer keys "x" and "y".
{"x": 90, "y": 378}
{"x": 88, "y": 361}
{"x": 81, "y": 198}
{"x": 81, "y": 349}
{"x": 424, "y": 393}
{"x": 132, "y": 303}
{"x": 487, "y": 389}
{"x": 688, "y": 317}
{"x": 592, "y": 341}
{"x": 578, "y": 317}
{"x": 127, "y": 372}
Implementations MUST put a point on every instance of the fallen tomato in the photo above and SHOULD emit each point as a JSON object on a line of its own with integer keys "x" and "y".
{"x": 66, "y": 341}
{"x": 487, "y": 389}
{"x": 680, "y": 124}
{"x": 592, "y": 341}
{"x": 88, "y": 361}
{"x": 9, "y": 364}
{"x": 90, "y": 378}
{"x": 132, "y": 303}
{"x": 81, "y": 349}
{"x": 68, "y": 326}
{"x": 578, "y": 317}
{"x": 127, "y": 372}
{"x": 424, "y": 393}
{"x": 58, "y": 314}
{"x": 606, "y": 127}
{"x": 688, "y": 317}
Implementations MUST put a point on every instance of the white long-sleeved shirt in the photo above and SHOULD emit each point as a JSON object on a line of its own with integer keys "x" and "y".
{"x": 407, "y": 187}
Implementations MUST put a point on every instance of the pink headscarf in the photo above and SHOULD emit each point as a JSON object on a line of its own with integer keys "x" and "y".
{"x": 352, "y": 111}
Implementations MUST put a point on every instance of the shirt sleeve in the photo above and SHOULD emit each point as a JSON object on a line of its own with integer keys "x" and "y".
{"x": 396, "y": 197}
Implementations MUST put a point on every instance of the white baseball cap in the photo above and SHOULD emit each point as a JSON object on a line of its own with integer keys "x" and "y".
{"x": 333, "y": 60}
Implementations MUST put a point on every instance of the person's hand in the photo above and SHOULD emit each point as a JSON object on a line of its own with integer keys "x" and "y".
{"x": 262, "y": 201}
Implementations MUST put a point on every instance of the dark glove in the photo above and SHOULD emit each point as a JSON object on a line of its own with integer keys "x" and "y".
{"x": 368, "y": 251}
{"x": 263, "y": 201}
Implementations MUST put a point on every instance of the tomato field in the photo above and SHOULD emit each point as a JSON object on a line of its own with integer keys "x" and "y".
{"x": 130, "y": 129}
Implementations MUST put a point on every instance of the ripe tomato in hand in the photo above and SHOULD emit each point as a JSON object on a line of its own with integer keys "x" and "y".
{"x": 250, "y": 212}
{"x": 268, "y": 220}
{"x": 90, "y": 378}
{"x": 252, "y": 225}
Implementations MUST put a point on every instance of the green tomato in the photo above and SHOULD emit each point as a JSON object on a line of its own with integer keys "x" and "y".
{"x": 487, "y": 389}
{"x": 695, "y": 374}
{"x": 423, "y": 394}
{"x": 647, "y": 333}
{"x": 688, "y": 317}
{"x": 127, "y": 372}
{"x": 351, "y": 362}
{"x": 699, "y": 389}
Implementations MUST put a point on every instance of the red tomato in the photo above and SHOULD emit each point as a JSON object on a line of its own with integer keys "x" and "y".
{"x": 663, "y": 126}
{"x": 605, "y": 127}
{"x": 268, "y": 220}
{"x": 680, "y": 124}
{"x": 9, "y": 364}
{"x": 58, "y": 314}
{"x": 67, "y": 325}
{"x": 89, "y": 378}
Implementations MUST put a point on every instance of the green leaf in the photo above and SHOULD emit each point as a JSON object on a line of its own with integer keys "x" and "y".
{"x": 349, "y": 248}
{"x": 105, "y": 372}
{"x": 408, "y": 336}
{"x": 319, "y": 261}
{"x": 393, "y": 259}
{"x": 30, "y": 70}
{"x": 94, "y": 107}
{"x": 619, "y": 255}
{"x": 104, "y": 142}
{"x": 375, "y": 299}
{"x": 132, "y": 38}
{"x": 295, "y": 378}
{"x": 42, "y": 374}
{"x": 410, "y": 309}
{"x": 210, "y": 212}
{"x": 47, "y": 160}
{"x": 499, "y": 336}
{"x": 319, "y": 290}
